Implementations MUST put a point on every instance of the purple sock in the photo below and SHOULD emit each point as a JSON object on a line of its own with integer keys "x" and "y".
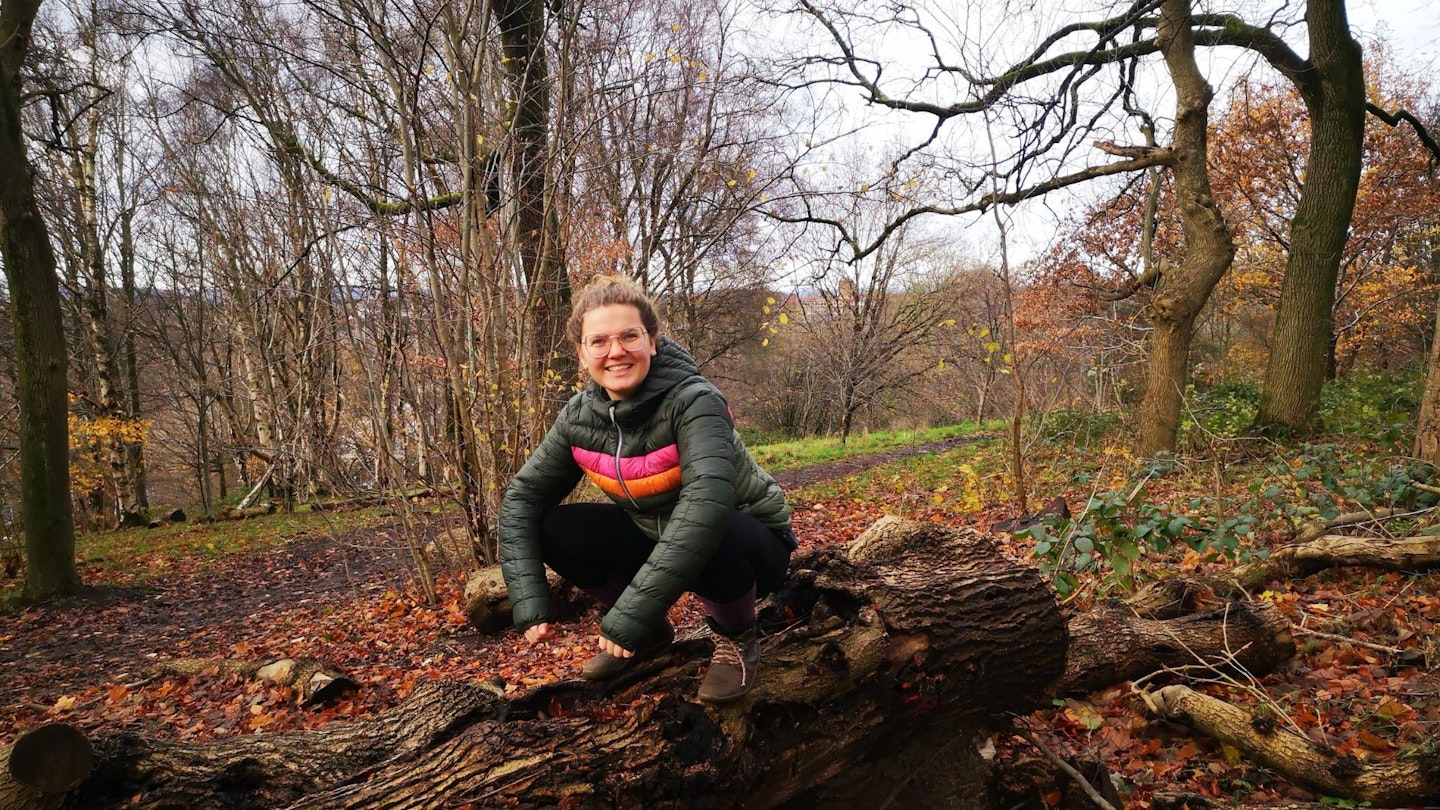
{"x": 731, "y": 617}
{"x": 608, "y": 593}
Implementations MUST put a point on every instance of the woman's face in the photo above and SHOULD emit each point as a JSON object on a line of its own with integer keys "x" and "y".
{"x": 619, "y": 370}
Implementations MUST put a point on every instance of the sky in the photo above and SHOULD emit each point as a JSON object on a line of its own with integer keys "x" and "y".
{"x": 1412, "y": 27}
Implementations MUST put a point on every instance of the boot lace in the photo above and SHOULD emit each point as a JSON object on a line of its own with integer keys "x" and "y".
{"x": 729, "y": 652}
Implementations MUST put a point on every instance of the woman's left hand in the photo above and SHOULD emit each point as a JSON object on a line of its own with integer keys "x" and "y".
{"x": 608, "y": 646}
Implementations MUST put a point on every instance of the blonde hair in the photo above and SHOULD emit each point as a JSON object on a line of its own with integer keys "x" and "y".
{"x": 604, "y": 291}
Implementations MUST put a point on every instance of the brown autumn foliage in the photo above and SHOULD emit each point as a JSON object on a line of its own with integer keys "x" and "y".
{"x": 1386, "y": 293}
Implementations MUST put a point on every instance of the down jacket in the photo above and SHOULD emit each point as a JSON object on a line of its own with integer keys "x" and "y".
{"x": 669, "y": 454}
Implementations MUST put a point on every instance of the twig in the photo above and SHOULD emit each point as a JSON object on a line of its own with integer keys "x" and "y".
{"x": 1079, "y": 778}
{"x": 1305, "y": 631}
{"x": 1425, "y": 487}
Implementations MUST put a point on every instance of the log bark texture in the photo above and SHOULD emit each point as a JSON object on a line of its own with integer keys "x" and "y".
{"x": 1112, "y": 643}
{"x": 878, "y": 651}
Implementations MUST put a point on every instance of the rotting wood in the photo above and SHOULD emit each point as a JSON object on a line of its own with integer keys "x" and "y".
{"x": 913, "y": 630}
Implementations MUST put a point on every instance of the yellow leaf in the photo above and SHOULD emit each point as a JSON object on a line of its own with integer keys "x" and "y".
{"x": 765, "y": 342}
{"x": 770, "y": 299}
{"x": 750, "y": 175}
{"x": 985, "y": 332}
{"x": 649, "y": 57}
{"x": 784, "y": 318}
{"x": 765, "y": 309}
{"x": 65, "y": 704}
{"x": 942, "y": 363}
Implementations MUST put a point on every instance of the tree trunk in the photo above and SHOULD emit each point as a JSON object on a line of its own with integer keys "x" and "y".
{"x": 527, "y": 69}
{"x": 1427, "y": 432}
{"x": 1334, "y": 94}
{"x": 1182, "y": 291}
{"x": 136, "y": 490}
{"x": 40, "y": 357}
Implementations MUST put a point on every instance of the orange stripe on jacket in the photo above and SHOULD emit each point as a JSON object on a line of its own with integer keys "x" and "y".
{"x": 639, "y": 487}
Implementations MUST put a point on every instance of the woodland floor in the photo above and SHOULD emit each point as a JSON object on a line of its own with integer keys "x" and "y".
{"x": 350, "y": 598}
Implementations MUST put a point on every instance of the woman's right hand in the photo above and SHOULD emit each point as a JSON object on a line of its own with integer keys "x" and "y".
{"x": 537, "y": 633}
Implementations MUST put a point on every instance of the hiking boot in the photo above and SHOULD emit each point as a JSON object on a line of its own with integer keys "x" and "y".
{"x": 733, "y": 667}
{"x": 604, "y": 666}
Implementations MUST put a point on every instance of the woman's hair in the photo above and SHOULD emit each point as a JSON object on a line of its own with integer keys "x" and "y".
{"x": 604, "y": 291}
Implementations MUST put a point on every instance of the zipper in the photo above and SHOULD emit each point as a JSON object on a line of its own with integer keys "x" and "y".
{"x": 619, "y": 446}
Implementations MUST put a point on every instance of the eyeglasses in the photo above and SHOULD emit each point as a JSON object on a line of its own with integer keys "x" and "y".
{"x": 598, "y": 346}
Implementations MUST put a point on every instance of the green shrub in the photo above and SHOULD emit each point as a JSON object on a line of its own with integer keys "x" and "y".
{"x": 1225, "y": 410}
{"x": 1371, "y": 404}
{"x": 1114, "y": 531}
{"x": 1077, "y": 427}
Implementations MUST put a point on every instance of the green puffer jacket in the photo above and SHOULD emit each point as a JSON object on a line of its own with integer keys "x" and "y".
{"x": 670, "y": 455}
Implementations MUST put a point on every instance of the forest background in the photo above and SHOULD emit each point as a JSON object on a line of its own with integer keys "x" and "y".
{"x": 313, "y": 249}
{"x": 320, "y": 252}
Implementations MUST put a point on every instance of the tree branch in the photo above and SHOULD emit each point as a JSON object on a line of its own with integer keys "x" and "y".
{"x": 1403, "y": 115}
{"x": 1160, "y": 158}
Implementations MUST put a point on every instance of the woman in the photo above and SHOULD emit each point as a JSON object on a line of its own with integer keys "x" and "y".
{"x": 689, "y": 509}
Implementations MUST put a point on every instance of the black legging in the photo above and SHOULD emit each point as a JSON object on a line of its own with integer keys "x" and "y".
{"x": 593, "y": 545}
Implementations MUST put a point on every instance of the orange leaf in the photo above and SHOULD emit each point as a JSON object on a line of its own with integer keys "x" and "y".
{"x": 1373, "y": 742}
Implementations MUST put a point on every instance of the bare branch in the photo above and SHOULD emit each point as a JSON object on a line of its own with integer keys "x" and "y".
{"x": 1403, "y": 115}
{"x": 980, "y": 205}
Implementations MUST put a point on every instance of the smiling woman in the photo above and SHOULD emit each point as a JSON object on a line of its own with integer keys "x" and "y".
{"x": 690, "y": 509}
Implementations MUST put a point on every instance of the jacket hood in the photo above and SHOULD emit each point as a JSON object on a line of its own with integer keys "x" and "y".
{"x": 670, "y": 367}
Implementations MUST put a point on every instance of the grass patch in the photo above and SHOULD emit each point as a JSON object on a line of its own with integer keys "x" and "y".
{"x": 818, "y": 450}
{"x": 965, "y": 479}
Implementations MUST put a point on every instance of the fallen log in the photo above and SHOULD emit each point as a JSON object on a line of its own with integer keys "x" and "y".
{"x": 1190, "y": 801}
{"x": 1113, "y": 644}
{"x": 1394, "y": 783}
{"x": 879, "y": 656}
{"x": 316, "y": 682}
{"x": 246, "y": 512}
{"x": 43, "y": 765}
{"x": 1296, "y": 560}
